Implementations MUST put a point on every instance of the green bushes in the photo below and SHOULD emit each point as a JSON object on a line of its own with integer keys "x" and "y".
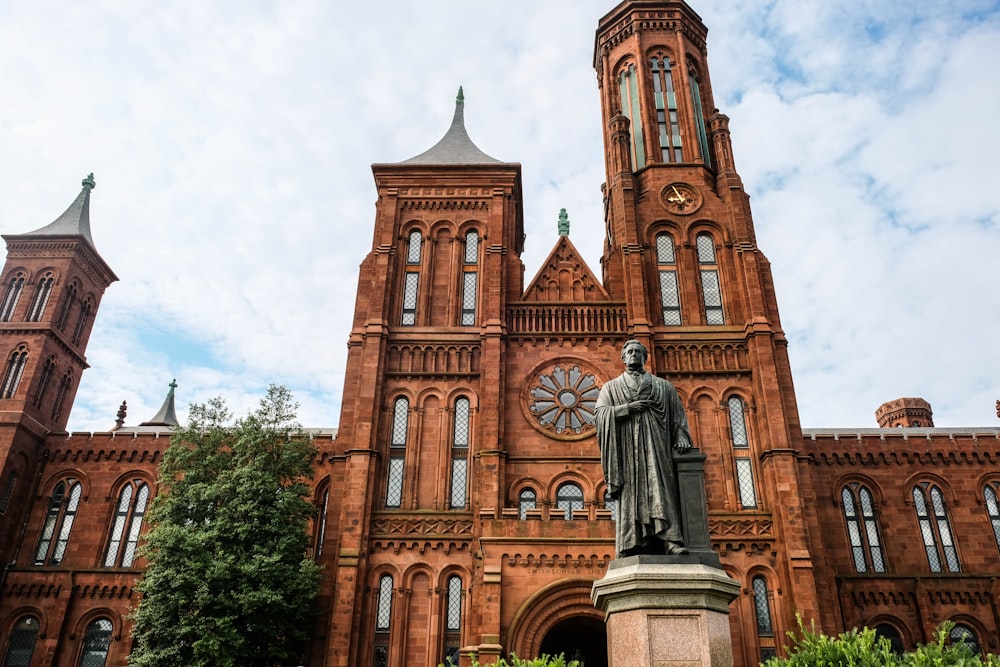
{"x": 863, "y": 648}
{"x": 544, "y": 661}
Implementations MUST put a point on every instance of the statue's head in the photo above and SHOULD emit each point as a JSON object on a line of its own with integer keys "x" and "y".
{"x": 635, "y": 344}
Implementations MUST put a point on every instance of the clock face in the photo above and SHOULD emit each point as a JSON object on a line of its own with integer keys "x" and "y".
{"x": 680, "y": 198}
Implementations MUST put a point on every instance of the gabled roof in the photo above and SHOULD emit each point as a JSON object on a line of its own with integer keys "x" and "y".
{"x": 564, "y": 276}
{"x": 455, "y": 147}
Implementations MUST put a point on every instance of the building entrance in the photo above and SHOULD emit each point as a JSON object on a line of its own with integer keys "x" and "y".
{"x": 578, "y": 638}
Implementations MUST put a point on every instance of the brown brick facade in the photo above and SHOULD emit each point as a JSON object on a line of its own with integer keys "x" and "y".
{"x": 461, "y": 505}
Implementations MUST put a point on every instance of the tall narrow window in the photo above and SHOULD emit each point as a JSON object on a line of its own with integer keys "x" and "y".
{"x": 11, "y": 296}
{"x": 460, "y": 454}
{"x": 699, "y": 118}
{"x": 48, "y": 368}
{"x": 862, "y": 528}
{"x": 741, "y": 453}
{"x": 127, "y": 524}
{"x": 710, "y": 289}
{"x": 411, "y": 279}
{"x": 526, "y": 501}
{"x": 15, "y": 369}
{"x": 397, "y": 452}
{"x": 58, "y": 522}
{"x": 22, "y": 642}
{"x": 8, "y": 491}
{"x": 629, "y": 87}
{"x": 96, "y": 643}
{"x": 324, "y": 507}
{"x": 69, "y": 300}
{"x": 666, "y": 110}
{"x": 81, "y": 323}
{"x": 666, "y": 264}
{"x": 64, "y": 386}
{"x": 569, "y": 497}
{"x": 762, "y": 608}
{"x": 935, "y": 528}
{"x": 470, "y": 278}
{"x": 993, "y": 509}
{"x": 41, "y": 299}
{"x": 453, "y": 621}
{"x": 383, "y": 622}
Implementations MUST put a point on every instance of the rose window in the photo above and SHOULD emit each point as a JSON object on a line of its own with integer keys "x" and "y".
{"x": 563, "y": 399}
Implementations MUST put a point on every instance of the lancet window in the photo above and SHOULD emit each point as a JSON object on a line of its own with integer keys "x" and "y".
{"x": 666, "y": 264}
{"x": 460, "y": 453}
{"x": 397, "y": 452}
{"x": 127, "y": 524}
{"x": 710, "y": 289}
{"x": 42, "y": 293}
{"x": 935, "y": 528}
{"x": 58, "y": 522}
{"x": 862, "y": 528}
{"x": 665, "y": 100}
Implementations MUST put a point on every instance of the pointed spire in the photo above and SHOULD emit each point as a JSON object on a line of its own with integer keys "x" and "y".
{"x": 75, "y": 221}
{"x": 455, "y": 147}
{"x": 563, "y": 222}
{"x": 167, "y": 416}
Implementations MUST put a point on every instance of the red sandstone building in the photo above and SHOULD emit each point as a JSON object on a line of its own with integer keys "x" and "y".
{"x": 461, "y": 505}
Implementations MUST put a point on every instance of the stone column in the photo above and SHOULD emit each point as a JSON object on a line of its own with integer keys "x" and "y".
{"x": 666, "y": 611}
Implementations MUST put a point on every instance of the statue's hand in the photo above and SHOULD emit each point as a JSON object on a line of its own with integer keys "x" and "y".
{"x": 640, "y": 405}
{"x": 682, "y": 446}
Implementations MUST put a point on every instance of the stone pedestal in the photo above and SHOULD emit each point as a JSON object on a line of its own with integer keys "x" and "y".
{"x": 661, "y": 611}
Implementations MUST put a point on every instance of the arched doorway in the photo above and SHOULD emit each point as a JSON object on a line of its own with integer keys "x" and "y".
{"x": 580, "y": 638}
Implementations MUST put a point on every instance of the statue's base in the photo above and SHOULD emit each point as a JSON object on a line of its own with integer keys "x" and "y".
{"x": 666, "y": 611}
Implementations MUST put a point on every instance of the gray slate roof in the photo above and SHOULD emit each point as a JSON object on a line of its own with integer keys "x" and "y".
{"x": 167, "y": 416}
{"x": 76, "y": 220}
{"x": 455, "y": 146}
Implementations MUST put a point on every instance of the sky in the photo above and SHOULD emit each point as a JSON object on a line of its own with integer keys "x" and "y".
{"x": 232, "y": 143}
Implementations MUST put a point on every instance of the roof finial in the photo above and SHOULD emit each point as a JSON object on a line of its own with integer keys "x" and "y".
{"x": 89, "y": 183}
{"x": 563, "y": 222}
{"x": 461, "y": 96}
{"x": 172, "y": 385}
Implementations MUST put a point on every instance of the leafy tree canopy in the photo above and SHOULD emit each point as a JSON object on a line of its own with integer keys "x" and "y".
{"x": 229, "y": 582}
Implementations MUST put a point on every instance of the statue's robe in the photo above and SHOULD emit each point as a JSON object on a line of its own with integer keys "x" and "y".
{"x": 637, "y": 457}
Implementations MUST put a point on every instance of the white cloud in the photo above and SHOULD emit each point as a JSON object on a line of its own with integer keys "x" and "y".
{"x": 232, "y": 145}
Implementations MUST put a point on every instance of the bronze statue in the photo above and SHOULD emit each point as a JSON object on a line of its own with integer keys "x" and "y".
{"x": 640, "y": 423}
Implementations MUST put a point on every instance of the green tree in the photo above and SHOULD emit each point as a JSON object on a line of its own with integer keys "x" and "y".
{"x": 863, "y": 648}
{"x": 229, "y": 582}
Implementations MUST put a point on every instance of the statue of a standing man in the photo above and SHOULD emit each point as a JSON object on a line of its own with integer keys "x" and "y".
{"x": 640, "y": 422}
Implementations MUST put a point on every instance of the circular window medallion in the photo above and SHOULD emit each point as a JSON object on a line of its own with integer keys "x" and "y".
{"x": 560, "y": 399}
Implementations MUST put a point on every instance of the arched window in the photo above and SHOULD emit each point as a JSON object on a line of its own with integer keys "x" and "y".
{"x": 526, "y": 501}
{"x": 411, "y": 279}
{"x": 612, "y": 505}
{"x": 741, "y": 453}
{"x": 470, "y": 278}
{"x": 15, "y": 369}
{"x": 628, "y": 86}
{"x": 993, "y": 509}
{"x": 569, "y": 497}
{"x": 699, "y": 118}
{"x": 8, "y": 491}
{"x": 453, "y": 621}
{"x": 666, "y": 110}
{"x": 963, "y": 634}
{"x": 666, "y": 264}
{"x": 324, "y": 506}
{"x": 891, "y": 633}
{"x": 862, "y": 528}
{"x": 69, "y": 300}
{"x": 127, "y": 523}
{"x": 11, "y": 296}
{"x": 935, "y": 528}
{"x": 48, "y": 368}
{"x": 64, "y": 386}
{"x": 96, "y": 643}
{"x": 41, "y": 299}
{"x": 85, "y": 308}
{"x": 383, "y": 621}
{"x": 711, "y": 291}
{"x": 460, "y": 454}
{"x": 762, "y": 609}
{"x": 397, "y": 452}
{"x": 58, "y": 522}
{"x": 21, "y": 644}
